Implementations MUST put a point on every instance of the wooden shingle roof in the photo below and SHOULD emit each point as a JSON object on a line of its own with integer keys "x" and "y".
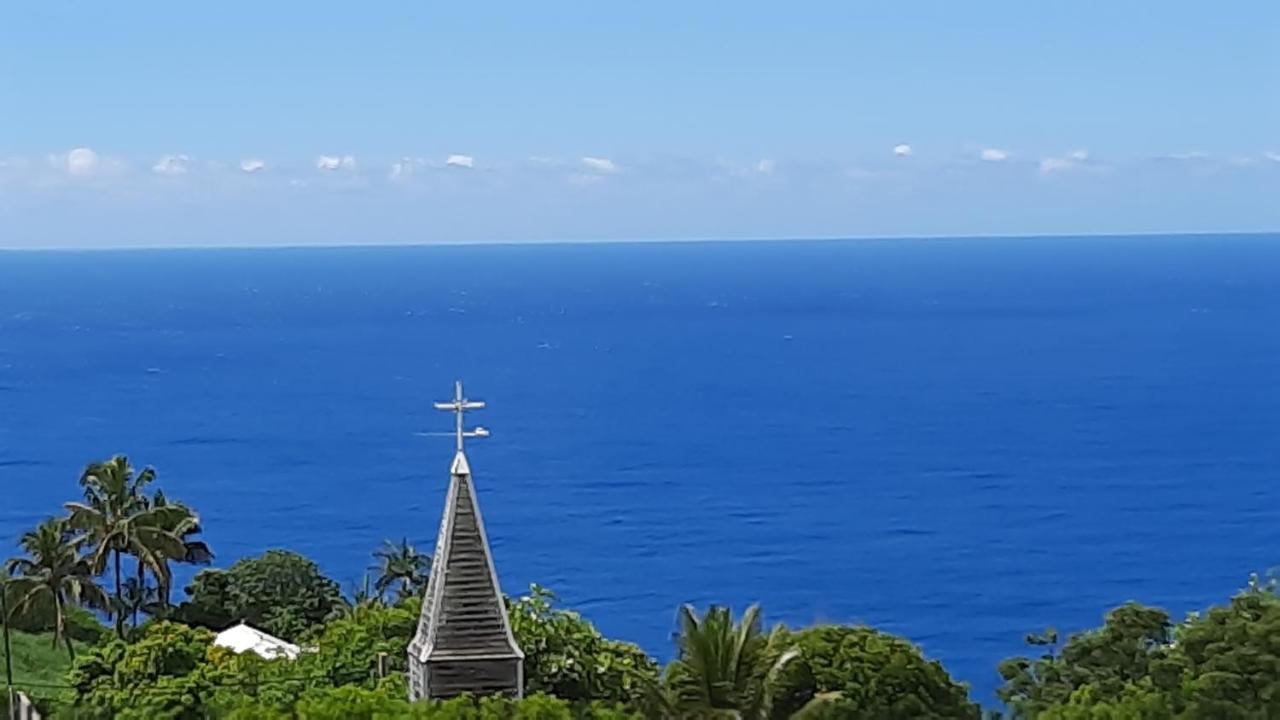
{"x": 463, "y": 613}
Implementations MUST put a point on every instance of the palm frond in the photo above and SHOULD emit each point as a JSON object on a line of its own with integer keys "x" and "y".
{"x": 725, "y": 668}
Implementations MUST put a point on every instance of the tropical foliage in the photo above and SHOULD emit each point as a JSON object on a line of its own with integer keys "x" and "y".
{"x": 726, "y": 669}
{"x": 1222, "y": 664}
{"x": 280, "y": 592}
{"x": 1140, "y": 664}
{"x": 182, "y": 523}
{"x": 402, "y": 568}
{"x": 566, "y": 656}
{"x": 136, "y": 598}
{"x": 166, "y": 672}
{"x": 347, "y": 703}
{"x": 52, "y": 576}
{"x": 171, "y": 670}
{"x": 118, "y": 519}
{"x": 863, "y": 674}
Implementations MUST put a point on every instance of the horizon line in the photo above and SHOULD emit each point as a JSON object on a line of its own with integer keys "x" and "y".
{"x": 648, "y": 241}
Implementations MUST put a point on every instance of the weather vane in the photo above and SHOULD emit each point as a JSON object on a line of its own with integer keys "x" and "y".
{"x": 459, "y": 405}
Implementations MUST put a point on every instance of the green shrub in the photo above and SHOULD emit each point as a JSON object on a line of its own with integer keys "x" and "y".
{"x": 165, "y": 673}
{"x": 1224, "y": 664}
{"x": 566, "y": 656}
{"x": 281, "y": 593}
{"x": 357, "y": 703}
{"x": 81, "y": 624}
{"x": 867, "y": 674}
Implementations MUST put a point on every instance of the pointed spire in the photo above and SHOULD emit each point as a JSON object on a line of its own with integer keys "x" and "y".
{"x": 460, "y": 466}
{"x": 464, "y": 642}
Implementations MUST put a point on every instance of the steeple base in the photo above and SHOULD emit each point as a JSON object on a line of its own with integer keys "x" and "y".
{"x": 444, "y": 679}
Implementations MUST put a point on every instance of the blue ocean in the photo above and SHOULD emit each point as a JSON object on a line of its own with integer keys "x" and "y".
{"x": 961, "y": 440}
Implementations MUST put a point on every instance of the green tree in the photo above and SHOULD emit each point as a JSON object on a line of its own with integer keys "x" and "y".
{"x": 182, "y": 523}
{"x": 566, "y": 656}
{"x": 341, "y": 703}
{"x": 280, "y": 592}
{"x": 1223, "y": 664}
{"x": 860, "y": 673}
{"x": 136, "y": 597}
{"x": 81, "y": 624}
{"x": 401, "y": 567}
{"x": 364, "y": 596}
{"x": 347, "y": 650}
{"x": 342, "y": 653}
{"x": 1228, "y": 659}
{"x": 726, "y": 669}
{"x": 166, "y": 672}
{"x": 357, "y": 703}
{"x": 52, "y": 577}
{"x": 1136, "y": 702}
{"x": 1134, "y": 643}
{"x": 117, "y": 520}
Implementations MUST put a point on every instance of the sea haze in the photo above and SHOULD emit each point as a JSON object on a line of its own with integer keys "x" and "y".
{"x": 961, "y": 441}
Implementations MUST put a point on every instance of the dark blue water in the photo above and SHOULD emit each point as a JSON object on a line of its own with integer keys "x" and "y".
{"x": 956, "y": 440}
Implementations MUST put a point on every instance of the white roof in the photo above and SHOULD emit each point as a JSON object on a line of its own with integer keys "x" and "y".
{"x": 242, "y": 638}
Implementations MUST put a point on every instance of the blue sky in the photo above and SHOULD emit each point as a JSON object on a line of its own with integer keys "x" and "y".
{"x": 278, "y": 123}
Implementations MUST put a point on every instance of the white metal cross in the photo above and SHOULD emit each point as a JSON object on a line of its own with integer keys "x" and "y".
{"x": 459, "y": 405}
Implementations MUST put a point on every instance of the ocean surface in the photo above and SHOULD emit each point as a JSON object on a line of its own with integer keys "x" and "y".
{"x": 961, "y": 441}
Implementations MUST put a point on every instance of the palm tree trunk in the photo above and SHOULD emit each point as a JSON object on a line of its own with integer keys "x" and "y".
{"x": 119, "y": 598}
{"x": 71, "y": 650}
{"x": 142, "y": 589}
{"x": 57, "y": 620}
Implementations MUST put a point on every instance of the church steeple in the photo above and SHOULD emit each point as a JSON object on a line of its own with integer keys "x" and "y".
{"x": 464, "y": 642}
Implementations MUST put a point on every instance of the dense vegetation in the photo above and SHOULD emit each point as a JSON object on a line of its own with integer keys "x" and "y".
{"x": 113, "y": 554}
{"x": 1223, "y": 664}
{"x": 281, "y": 593}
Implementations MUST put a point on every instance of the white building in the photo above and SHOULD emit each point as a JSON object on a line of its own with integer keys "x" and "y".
{"x": 242, "y": 638}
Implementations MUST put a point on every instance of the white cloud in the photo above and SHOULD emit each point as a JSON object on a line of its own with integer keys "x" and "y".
{"x": 600, "y": 165}
{"x": 994, "y": 155}
{"x": 1075, "y": 158}
{"x": 252, "y": 165}
{"x": 334, "y": 162}
{"x": 82, "y": 161}
{"x": 402, "y": 169}
{"x": 171, "y": 165}
{"x": 1050, "y": 165}
{"x": 460, "y": 161}
{"x": 1272, "y": 156}
{"x": 407, "y": 166}
{"x": 902, "y": 150}
{"x": 79, "y": 162}
{"x": 765, "y": 167}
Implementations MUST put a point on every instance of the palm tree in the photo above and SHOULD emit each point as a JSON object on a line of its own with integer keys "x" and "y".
{"x": 184, "y": 524}
{"x": 54, "y": 575}
{"x": 403, "y": 567}
{"x": 117, "y": 519}
{"x": 363, "y": 597}
{"x": 723, "y": 669}
{"x": 138, "y": 597}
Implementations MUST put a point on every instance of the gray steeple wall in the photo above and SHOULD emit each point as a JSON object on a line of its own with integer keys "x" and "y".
{"x": 464, "y": 642}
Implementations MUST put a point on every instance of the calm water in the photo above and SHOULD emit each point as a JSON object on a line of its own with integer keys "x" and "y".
{"x": 956, "y": 440}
